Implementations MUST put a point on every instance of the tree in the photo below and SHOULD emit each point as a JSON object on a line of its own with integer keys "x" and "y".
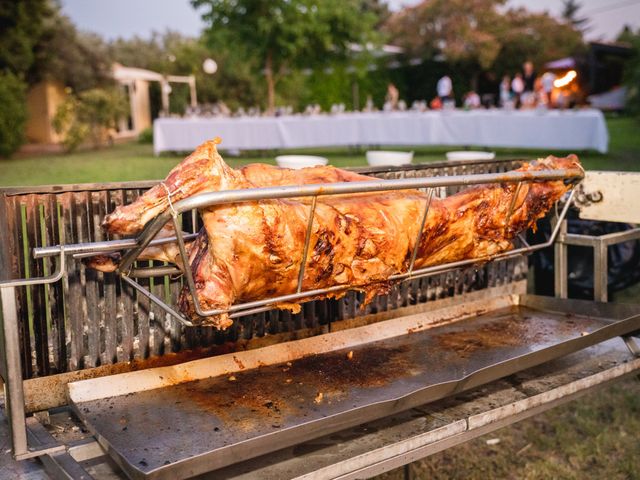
{"x": 626, "y": 35}
{"x": 479, "y": 36}
{"x": 570, "y": 10}
{"x": 379, "y": 8}
{"x": 153, "y": 53}
{"x": 13, "y": 114}
{"x": 78, "y": 60}
{"x": 172, "y": 53}
{"x": 632, "y": 69}
{"x": 287, "y": 34}
{"x": 537, "y": 37}
{"x": 20, "y": 30}
{"x": 21, "y": 26}
{"x": 460, "y": 30}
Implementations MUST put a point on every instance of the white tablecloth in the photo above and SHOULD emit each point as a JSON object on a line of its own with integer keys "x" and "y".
{"x": 560, "y": 130}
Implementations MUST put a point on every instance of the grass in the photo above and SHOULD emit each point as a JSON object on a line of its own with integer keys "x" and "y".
{"x": 594, "y": 437}
{"x": 133, "y": 161}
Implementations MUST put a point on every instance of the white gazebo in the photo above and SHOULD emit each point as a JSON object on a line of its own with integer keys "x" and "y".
{"x": 136, "y": 81}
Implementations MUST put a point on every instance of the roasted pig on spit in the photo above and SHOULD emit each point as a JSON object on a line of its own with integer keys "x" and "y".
{"x": 357, "y": 241}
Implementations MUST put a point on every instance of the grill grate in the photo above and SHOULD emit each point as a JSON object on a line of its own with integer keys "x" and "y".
{"x": 93, "y": 319}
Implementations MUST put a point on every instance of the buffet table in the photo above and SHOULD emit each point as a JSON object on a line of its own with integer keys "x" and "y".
{"x": 554, "y": 129}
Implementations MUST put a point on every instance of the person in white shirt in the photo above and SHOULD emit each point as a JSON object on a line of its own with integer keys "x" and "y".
{"x": 547, "y": 82}
{"x": 392, "y": 96}
{"x": 547, "y": 86}
{"x": 517, "y": 85}
{"x": 445, "y": 88}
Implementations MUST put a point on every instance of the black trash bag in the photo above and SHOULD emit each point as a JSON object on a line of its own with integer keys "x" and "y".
{"x": 623, "y": 259}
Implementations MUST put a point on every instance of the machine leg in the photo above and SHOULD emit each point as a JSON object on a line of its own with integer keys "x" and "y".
{"x": 560, "y": 263}
{"x": 600, "y": 270}
{"x": 632, "y": 345}
{"x": 12, "y": 375}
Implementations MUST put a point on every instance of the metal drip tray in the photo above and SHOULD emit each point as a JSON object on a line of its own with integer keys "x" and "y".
{"x": 188, "y": 419}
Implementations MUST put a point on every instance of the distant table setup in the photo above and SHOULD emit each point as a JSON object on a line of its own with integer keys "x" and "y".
{"x": 550, "y": 129}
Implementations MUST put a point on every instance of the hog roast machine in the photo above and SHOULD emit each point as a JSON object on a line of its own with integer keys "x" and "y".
{"x": 102, "y": 374}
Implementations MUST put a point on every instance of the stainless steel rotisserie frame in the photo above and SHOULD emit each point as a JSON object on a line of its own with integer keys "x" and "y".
{"x": 248, "y": 195}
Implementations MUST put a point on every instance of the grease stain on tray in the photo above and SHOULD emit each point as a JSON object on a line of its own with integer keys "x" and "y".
{"x": 293, "y": 388}
{"x": 497, "y": 334}
{"x": 511, "y": 329}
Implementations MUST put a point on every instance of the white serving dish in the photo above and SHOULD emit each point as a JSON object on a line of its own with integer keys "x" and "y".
{"x": 378, "y": 158}
{"x": 300, "y": 161}
{"x": 470, "y": 155}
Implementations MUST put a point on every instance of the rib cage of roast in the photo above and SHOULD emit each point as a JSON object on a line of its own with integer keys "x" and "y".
{"x": 357, "y": 240}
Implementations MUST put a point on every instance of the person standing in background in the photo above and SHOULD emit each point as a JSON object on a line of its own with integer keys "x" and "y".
{"x": 445, "y": 89}
{"x": 547, "y": 87}
{"x": 505, "y": 91}
{"x": 527, "y": 99}
{"x": 529, "y": 77}
{"x": 517, "y": 86}
{"x": 392, "y": 97}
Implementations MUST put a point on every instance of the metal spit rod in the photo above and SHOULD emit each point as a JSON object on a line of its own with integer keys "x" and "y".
{"x": 84, "y": 250}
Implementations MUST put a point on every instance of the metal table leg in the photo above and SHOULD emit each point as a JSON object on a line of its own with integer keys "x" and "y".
{"x": 12, "y": 372}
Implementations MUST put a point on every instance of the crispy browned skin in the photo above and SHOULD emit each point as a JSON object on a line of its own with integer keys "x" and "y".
{"x": 196, "y": 174}
{"x": 200, "y": 172}
{"x": 357, "y": 241}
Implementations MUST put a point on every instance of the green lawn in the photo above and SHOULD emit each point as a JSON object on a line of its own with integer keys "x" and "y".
{"x": 594, "y": 437}
{"x": 133, "y": 161}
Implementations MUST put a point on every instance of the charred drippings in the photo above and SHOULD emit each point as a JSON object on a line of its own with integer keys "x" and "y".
{"x": 271, "y": 237}
{"x": 322, "y": 259}
{"x": 323, "y": 244}
{"x": 508, "y": 331}
{"x": 288, "y": 389}
{"x": 367, "y": 367}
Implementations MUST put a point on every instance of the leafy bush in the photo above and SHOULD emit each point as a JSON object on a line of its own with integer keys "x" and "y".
{"x": 146, "y": 136}
{"x": 66, "y": 123}
{"x": 90, "y": 115}
{"x": 13, "y": 113}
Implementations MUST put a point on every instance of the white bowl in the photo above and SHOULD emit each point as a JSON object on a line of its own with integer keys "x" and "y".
{"x": 300, "y": 161}
{"x": 379, "y": 158}
{"x": 470, "y": 155}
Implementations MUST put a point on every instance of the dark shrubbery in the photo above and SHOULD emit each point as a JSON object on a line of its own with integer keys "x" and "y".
{"x": 146, "y": 136}
{"x": 632, "y": 71}
{"x": 13, "y": 113}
